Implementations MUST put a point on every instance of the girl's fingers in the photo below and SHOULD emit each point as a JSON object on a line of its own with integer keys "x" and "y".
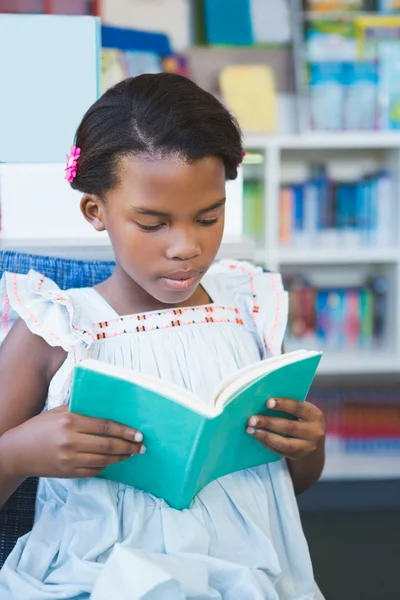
{"x": 91, "y": 444}
{"x": 99, "y": 461}
{"x": 296, "y": 429}
{"x": 287, "y": 447}
{"x": 102, "y": 427}
{"x": 302, "y": 410}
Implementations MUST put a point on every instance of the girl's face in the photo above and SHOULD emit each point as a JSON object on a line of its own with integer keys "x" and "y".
{"x": 165, "y": 220}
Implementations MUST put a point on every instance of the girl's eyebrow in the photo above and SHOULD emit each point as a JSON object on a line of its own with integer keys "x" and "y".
{"x": 142, "y": 210}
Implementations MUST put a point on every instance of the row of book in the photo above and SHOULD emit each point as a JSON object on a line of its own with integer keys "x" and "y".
{"x": 360, "y": 419}
{"x": 352, "y": 214}
{"x": 62, "y": 7}
{"x": 353, "y": 67}
{"x": 117, "y": 64}
{"x": 326, "y": 6}
{"x": 337, "y": 319}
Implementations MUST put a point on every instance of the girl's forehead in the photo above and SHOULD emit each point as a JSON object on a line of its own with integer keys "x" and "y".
{"x": 171, "y": 170}
{"x": 150, "y": 182}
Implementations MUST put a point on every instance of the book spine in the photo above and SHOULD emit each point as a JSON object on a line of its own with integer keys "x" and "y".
{"x": 201, "y": 456}
{"x": 286, "y": 216}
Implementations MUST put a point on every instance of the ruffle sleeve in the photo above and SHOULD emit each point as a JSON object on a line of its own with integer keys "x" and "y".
{"x": 47, "y": 311}
{"x": 261, "y": 297}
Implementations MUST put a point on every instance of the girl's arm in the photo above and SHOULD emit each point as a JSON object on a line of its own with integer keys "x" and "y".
{"x": 305, "y": 449}
{"x": 54, "y": 443}
{"x": 304, "y": 446}
{"x": 27, "y": 363}
{"x": 306, "y": 471}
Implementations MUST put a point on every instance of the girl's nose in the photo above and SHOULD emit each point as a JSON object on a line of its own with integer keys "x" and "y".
{"x": 184, "y": 245}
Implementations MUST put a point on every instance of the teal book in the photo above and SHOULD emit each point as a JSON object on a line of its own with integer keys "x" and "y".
{"x": 189, "y": 443}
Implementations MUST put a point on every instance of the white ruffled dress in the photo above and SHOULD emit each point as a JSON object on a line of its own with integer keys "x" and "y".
{"x": 241, "y": 539}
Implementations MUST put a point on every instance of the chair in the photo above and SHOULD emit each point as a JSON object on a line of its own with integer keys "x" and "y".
{"x": 16, "y": 517}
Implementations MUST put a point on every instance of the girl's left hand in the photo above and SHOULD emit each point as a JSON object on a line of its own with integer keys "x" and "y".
{"x": 306, "y": 434}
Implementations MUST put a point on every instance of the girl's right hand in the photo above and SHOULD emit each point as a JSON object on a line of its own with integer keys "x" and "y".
{"x": 65, "y": 445}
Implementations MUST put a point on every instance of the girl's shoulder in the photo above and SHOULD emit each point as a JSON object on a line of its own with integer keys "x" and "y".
{"x": 61, "y": 318}
{"x": 234, "y": 273}
{"x": 259, "y": 294}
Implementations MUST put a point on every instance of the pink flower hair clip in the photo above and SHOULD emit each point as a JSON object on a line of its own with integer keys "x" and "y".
{"x": 243, "y": 155}
{"x": 72, "y": 162}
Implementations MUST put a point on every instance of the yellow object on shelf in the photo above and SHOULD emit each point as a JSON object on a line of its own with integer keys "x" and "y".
{"x": 249, "y": 92}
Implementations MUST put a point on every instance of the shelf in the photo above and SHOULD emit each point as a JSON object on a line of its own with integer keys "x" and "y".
{"x": 99, "y": 248}
{"x": 358, "y": 364}
{"x": 361, "y": 466}
{"x": 325, "y": 140}
{"x": 299, "y": 256}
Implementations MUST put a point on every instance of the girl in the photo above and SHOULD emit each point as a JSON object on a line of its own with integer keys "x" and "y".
{"x": 152, "y": 156}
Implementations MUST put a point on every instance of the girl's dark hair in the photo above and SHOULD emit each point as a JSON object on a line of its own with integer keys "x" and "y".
{"x": 156, "y": 115}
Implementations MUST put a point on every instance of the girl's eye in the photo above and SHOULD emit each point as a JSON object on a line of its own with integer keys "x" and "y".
{"x": 208, "y": 222}
{"x": 150, "y": 227}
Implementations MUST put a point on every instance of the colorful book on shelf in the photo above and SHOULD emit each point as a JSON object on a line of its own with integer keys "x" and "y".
{"x": 113, "y": 68}
{"x": 389, "y": 6}
{"x": 189, "y": 443}
{"x": 228, "y": 23}
{"x": 389, "y": 85}
{"x": 355, "y": 213}
{"x": 131, "y": 39}
{"x": 338, "y": 318}
{"x": 333, "y": 5}
{"x": 330, "y": 40}
{"x": 253, "y": 210}
{"x": 372, "y": 30}
{"x": 360, "y": 419}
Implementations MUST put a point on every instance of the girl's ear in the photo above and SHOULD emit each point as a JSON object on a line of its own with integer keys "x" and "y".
{"x": 93, "y": 210}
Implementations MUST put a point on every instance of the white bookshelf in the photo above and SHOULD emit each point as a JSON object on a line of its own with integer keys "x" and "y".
{"x": 325, "y": 141}
{"x": 93, "y": 248}
{"x": 357, "y": 466}
{"x": 275, "y": 153}
{"x": 280, "y": 155}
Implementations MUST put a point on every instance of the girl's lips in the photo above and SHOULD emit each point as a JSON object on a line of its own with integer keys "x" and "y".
{"x": 180, "y": 284}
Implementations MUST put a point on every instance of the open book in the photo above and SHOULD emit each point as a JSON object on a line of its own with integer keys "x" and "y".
{"x": 189, "y": 443}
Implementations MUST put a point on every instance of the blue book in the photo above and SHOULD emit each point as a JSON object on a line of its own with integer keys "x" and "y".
{"x": 49, "y": 73}
{"x": 322, "y": 316}
{"x": 132, "y": 39}
{"x": 323, "y": 198}
{"x": 342, "y": 206}
{"x": 189, "y": 443}
{"x": 362, "y": 192}
{"x": 228, "y": 23}
{"x": 298, "y": 193}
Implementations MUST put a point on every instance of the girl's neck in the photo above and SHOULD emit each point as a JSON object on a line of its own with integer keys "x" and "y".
{"x": 126, "y": 296}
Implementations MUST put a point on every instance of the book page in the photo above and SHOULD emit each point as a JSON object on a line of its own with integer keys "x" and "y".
{"x": 162, "y": 387}
{"x": 232, "y": 385}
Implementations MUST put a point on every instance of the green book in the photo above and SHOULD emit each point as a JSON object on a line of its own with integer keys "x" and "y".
{"x": 189, "y": 443}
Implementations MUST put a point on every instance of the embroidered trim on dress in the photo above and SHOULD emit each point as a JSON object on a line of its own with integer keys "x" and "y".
{"x": 196, "y": 315}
